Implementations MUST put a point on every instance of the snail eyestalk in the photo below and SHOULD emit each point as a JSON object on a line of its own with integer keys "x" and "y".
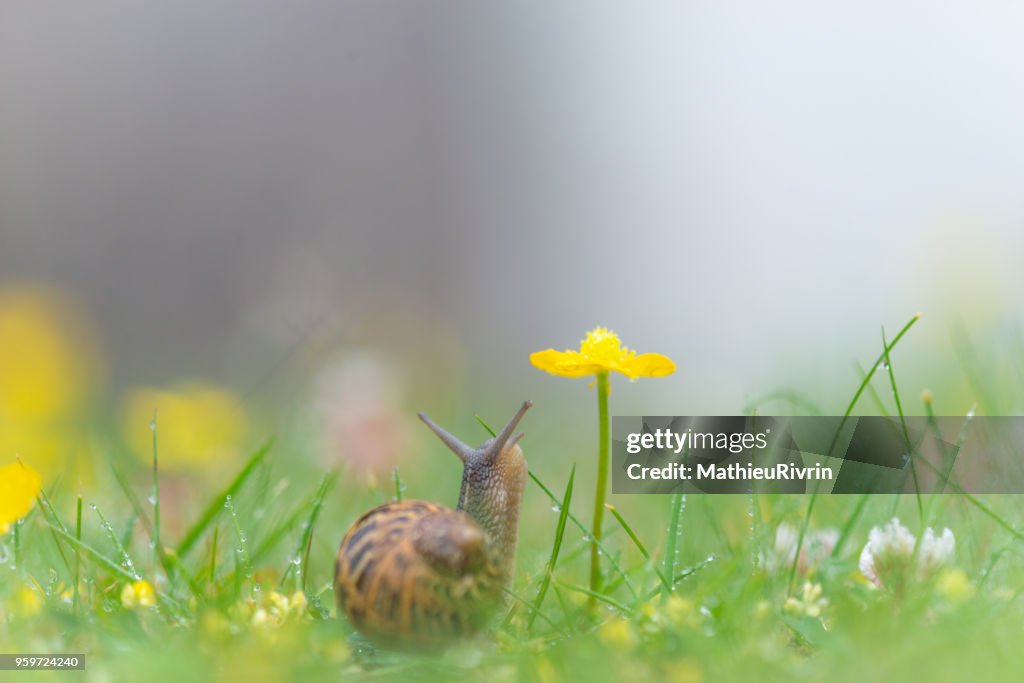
{"x": 501, "y": 441}
{"x": 460, "y": 449}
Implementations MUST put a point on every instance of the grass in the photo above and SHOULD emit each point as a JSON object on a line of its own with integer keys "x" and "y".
{"x": 690, "y": 590}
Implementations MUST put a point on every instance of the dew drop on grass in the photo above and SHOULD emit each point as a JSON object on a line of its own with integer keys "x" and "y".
{"x": 152, "y": 500}
{"x": 556, "y": 508}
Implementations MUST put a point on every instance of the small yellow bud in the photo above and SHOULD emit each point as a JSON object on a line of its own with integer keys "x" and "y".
{"x": 139, "y": 594}
{"x": 954, "y": 585}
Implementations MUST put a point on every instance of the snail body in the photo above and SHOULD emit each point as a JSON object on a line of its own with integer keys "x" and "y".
{"x": 415, "y": 573}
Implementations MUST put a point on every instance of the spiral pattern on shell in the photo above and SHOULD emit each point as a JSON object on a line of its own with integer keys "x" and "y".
{"x": 416, "y": 574}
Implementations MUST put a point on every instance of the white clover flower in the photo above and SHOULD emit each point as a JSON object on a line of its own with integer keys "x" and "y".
{"x": 935, "y": 552}
{"x": 888, "y": 558}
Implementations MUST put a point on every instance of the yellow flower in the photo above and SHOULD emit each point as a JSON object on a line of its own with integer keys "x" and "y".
{"x": 602, "y": 352}
{"x": 954, "y": 586}
{"x": 685, "y": 671}
{"x": 617, "y": 633}
{"x": 28, "y": 601}
{"x": 57, "y": 360}
{"x": 19, "y": 486}
{"x": 199, "y": 425}
{"x": 138, "y": 594}
{"x": 52, "y": 368}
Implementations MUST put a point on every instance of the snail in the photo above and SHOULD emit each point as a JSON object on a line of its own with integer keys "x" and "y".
{"x": 415, "y": 574}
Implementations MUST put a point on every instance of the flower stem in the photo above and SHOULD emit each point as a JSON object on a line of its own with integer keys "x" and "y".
{"x": 602, "y": 481}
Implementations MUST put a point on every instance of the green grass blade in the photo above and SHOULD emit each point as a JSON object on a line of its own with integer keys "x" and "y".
{"x": 636, "y": 541}
{"x": 672, "y": 540}
{"x": 485, "y": 426}
{"x": 126, "y": 559}
{"x": 903, "y": 424}
{"x": 271, "y": 539}
{"x": 47, "y": 510}
{"x": 397, "y": 478}
{"x": 157, "y": 546}
{"x": 586, "y": 533}
{"x": 78, "y": 552}
{"x": 847, "y": 529}
{"x": 307, "y": 535}
{"x": 601, "y": 597}
{"x": 216, "y": 506}
{"x": 867, "y": 378}
{"x": 100, "y": 559}
{"x": 521, "y": 601}
{"x": 563, "y": 516}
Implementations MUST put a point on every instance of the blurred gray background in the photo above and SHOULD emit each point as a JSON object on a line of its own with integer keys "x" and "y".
{"x": 238, "y": 189}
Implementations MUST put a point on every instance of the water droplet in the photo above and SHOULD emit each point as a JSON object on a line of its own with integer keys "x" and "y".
{"x": 152, "y": 500}
{"x": 883, "y": 365}
{"x": 556, "y": 508}
{"x": 152, "y": 425}
{"x": 92, "y": 506}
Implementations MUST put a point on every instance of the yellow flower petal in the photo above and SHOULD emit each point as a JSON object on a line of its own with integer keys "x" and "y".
{"x": 648, "y": 365}
{"x": 564, "y": 364}
{"x": 19, "y": 486}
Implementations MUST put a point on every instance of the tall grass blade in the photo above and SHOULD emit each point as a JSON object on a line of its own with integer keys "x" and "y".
{"x": 216, "y": 506}
{"x": 563, "y": 516}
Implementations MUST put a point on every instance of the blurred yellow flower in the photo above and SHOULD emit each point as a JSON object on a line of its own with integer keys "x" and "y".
{"x": 52, "y": 351}
{"x": 28, "y": 601}
{"x": 602, "y": 352}
{"x": 19, "y": 486}
{"x": 199, "y": 425}
{"x": 139, "y": 594}
{"x": 954, "y": 586}
{"x": 51, "y": 366}
{"x": 685, "y": 671}
{"x": 812, "y": 602}
{"x": 617, "y": 633}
